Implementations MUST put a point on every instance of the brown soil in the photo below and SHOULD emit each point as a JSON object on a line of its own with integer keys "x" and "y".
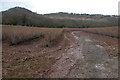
{"x": 109, "y": 43}
{"x": 30, "y": 60}
{"x": 18, "y": 56}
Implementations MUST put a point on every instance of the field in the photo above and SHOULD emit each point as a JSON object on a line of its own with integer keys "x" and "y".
{"x": 108, "y": 31}
{"x": 58, "y": 45}
{"x": 17, "y": 34}
{"x": 36, "y": 52}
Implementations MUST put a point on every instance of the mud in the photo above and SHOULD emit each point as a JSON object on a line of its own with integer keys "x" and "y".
{"x": 81, "y": 56}
{"x": 85, "y": 58}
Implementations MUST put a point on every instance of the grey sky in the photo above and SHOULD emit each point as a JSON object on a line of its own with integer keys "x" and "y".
{"x": 75, "y": 6}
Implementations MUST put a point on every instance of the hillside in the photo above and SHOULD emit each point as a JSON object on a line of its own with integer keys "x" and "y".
{"x": 84, "y": 20}
{"x": 25, "y": 17}
{"x": 22, "y": 16}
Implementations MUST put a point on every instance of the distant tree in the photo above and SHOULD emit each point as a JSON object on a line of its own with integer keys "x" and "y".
{"x": 14, "y": 21}
{"x": 24, "y": 20}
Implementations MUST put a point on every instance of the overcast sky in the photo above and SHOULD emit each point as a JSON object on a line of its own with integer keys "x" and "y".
{"x": 109, "y": 7}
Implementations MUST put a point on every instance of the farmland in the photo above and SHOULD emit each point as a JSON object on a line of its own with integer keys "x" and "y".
{"x": 36, "y": 52}
{"x": 108, "y": 31}
{"x": 15, "y": 35}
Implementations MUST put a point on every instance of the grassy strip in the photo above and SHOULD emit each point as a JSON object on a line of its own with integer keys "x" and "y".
{"x": 15, "y": 34}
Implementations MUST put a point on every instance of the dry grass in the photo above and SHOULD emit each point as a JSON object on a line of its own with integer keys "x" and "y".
{"x": 18, "y": 34}
{"x": 107, "y": 31}
{"x": 25, "y": 62}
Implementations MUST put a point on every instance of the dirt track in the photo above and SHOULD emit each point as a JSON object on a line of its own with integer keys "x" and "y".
{"x": 83, "y": 58}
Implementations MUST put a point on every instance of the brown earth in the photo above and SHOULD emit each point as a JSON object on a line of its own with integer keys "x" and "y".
{"x": 78, "y": 55}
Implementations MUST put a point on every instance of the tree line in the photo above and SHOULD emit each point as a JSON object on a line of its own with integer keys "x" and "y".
{"x": 24, "y": 17}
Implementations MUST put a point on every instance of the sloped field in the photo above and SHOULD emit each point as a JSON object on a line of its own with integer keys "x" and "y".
{"x": 107, "y": 31}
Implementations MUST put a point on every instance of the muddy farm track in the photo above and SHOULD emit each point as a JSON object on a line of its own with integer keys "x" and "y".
{"x": 78, "y": 55}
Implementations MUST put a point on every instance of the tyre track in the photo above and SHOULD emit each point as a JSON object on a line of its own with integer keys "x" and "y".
{"x": 62, "y": 67}
{"x": 84, "y": 58}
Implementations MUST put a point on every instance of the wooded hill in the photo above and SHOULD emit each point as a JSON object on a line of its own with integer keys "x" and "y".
{"x": 25, "y": 17}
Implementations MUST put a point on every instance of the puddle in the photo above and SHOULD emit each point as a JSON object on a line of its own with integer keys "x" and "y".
{"x": 100, "y": 66}
{"x": 75, "y": 36}
{"x": 99, "y": 46}
{"x": 88, "y": 40}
